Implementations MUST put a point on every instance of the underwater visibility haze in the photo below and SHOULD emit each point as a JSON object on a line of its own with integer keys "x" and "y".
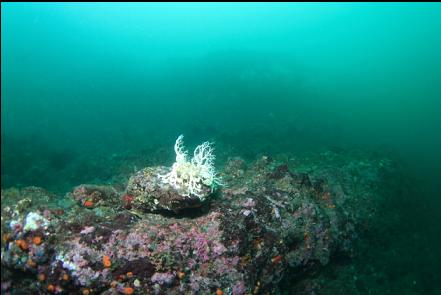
{"x": 310, "y": 159}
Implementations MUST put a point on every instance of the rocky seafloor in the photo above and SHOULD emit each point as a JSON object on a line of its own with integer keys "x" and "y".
{"x": 272, "y": 225}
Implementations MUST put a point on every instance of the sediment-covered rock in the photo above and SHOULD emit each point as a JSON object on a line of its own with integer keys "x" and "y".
{"x": 95, "y": 195}
{"x": 149, "y": 193}
{"x": 269, "y": 221}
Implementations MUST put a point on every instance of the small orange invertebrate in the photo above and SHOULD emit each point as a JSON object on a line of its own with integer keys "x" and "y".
{"x": 128, "y": 290}
{"x": 36, "y": 240}
{"x": 65, "y": 277}
{"x": 219, "y": 291}
{"x": 7, "y": 237}
{"x": 22, "y": 244}
{"x": 181, "y": 275}
{"x": 276, "y": 259}
{"x": 41, "y": 277}
{"x": 50, "y": 288}
{"x": 106, "y": 261}
{"x": 127, "y": 201}
{"x": 88, "y": 204}
{"x": 129, "y": 274}
{"x": 86, "y": 292}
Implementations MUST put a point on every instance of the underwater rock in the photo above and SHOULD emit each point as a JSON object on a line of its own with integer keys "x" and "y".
{"x": 280, "y": 171}
{"x": 94, "y": 195}
{"x": 151, "y": 194}
{"x": 267, "y": 225}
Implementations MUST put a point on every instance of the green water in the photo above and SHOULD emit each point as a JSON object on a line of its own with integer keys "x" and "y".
{"x": 87, "y": 88}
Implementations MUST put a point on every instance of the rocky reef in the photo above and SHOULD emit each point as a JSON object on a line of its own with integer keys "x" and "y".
{"x": 271, "y": 221}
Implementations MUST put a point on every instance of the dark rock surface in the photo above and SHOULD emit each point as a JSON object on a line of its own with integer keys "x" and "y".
{"x": 150, "y": 194}
{"x": 269, "y": 222}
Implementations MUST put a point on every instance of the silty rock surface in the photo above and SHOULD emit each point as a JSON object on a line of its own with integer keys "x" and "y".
{"x": 267, "y": 223}
{"x": 150, "y": 193}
